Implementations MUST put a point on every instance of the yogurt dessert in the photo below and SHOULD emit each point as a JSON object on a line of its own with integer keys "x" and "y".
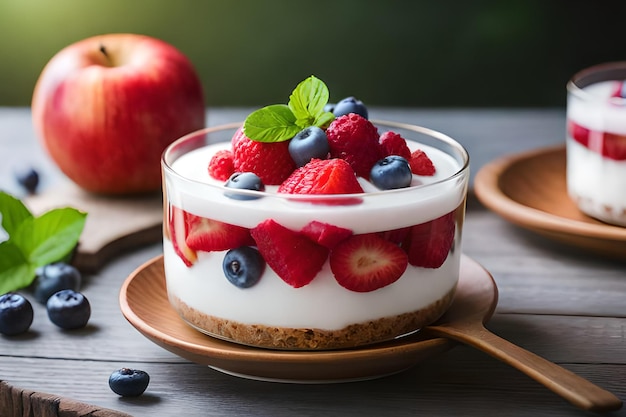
{"x": 342, "y": 234}
{"x": 596, "y": 142}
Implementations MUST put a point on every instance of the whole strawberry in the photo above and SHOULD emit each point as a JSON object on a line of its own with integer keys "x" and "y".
{"x": 355, "y": 140}
{"x": 270, "y": 161}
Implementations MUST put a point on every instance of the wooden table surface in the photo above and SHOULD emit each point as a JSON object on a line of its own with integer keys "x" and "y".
{"x": 560, "y": 303}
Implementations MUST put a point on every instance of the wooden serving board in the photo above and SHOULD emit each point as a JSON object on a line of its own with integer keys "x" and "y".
{"x": 114, "y": 225}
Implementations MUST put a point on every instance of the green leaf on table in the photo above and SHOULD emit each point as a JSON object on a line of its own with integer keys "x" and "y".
{"x": 50, "y": 237}
{"x": 15, "y": 270}
{"x": 13, "y": 212}
{"x": 34, "y": 241}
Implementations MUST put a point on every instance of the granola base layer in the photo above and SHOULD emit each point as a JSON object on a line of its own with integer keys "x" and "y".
{"x": 286, "y": 338}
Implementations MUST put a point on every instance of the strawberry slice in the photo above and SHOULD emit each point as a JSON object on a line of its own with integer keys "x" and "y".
{"x": 325, "y": 234}
{"x": 579, "y": 133}
{"x": 614, "y": 146}
{"x": 324, "y": 176}
{"x": 212, "y": 235}
{"x": 396, "y": 236}
{"x": 367, "y": 262}
{"x": 178, "y": 231}
{"x": 295, "y": 258}
{"x": 428, "y": 244}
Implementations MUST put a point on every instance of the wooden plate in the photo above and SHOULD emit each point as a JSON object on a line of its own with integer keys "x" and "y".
{"x": 529, "y": 189}
{"x": 144, "y": 303}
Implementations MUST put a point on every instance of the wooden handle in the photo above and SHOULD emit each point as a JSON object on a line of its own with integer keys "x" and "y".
{"x": 568, "y": 385}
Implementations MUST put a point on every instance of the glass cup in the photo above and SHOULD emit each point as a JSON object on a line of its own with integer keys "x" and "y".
{"x": 596, "y": 142}
{"x": 321, "y": 314}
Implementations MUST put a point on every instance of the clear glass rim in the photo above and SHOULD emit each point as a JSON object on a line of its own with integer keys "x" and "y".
{"x": 167, "y": 155}
{"x": 609, "y": 71}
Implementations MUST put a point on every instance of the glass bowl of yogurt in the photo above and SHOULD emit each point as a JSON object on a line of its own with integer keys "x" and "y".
{"x": 267, "y": 235}
{"x": 596, "y": 142}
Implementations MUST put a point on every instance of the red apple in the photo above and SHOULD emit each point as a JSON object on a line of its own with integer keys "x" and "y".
{"x": 106, "y": 107}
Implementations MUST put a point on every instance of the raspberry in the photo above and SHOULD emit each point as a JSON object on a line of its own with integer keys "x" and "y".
{"x": 222, "y": 166}
{"x": 355, "y": 139}
{"x": 421, "y": 164}
{"x": 269, "y": 161}
{"x": 394, "y": 144}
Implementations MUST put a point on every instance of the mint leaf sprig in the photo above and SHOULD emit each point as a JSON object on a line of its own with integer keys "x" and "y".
{"x": 34, "y": 241}
{"x": 281, "y": 122}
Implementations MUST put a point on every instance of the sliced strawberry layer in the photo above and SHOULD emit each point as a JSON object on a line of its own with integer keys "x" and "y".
{"x": 295, "y": 258}
{"x": 609, "y": 145}
{"x": 325, "y": 234}
{"x": 178, "y": 228}
{"x": 428, "y": 244}
{"x": 367, "y": 262}
{"x": 396, "y": 236}
{"x": 211, "y": 235}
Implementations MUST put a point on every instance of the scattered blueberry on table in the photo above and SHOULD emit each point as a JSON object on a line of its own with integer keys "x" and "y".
{"x": 28, "y": 179}
{"x": 55, "y": 277}
{"x": 128, "y": 382}
{"x": 16, "y": 314}
{"x": 68, "y": 309}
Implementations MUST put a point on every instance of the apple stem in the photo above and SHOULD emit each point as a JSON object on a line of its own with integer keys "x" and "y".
{"x": 104, "y": 52}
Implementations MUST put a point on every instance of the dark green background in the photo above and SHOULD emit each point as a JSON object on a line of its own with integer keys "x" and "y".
{"x": 392, "y": 52}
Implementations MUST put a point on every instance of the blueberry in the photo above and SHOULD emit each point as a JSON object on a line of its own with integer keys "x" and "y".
{"x": 309, "y": 143}
{"x": 29, "y": 179}
{"x": 129, "y": 382}
{"x": 350, "y": 105}
{"x": 55, "y": 277}
{"x": 68, "y": 309}
{"x": 243, "y": 266}
{"x": 329, "y": 107}
{"x": 391, "y": 172}
{"x": 16, "y": 314}
{"x": 244, "y": 181}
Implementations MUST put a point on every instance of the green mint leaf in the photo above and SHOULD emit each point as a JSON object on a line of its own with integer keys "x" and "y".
{"x": 15, "y": 270}
{"x": 275, "y": 123}
{"x": 307, "y": 101}
{"x": 49, "y": 237}
{"x": 324, "y": 119}
{"x": 13, "y": 212}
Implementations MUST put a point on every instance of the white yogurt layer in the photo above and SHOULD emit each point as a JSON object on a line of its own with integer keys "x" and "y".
{"x": 597, "y": 184}
{"x": 323, "y": 303}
